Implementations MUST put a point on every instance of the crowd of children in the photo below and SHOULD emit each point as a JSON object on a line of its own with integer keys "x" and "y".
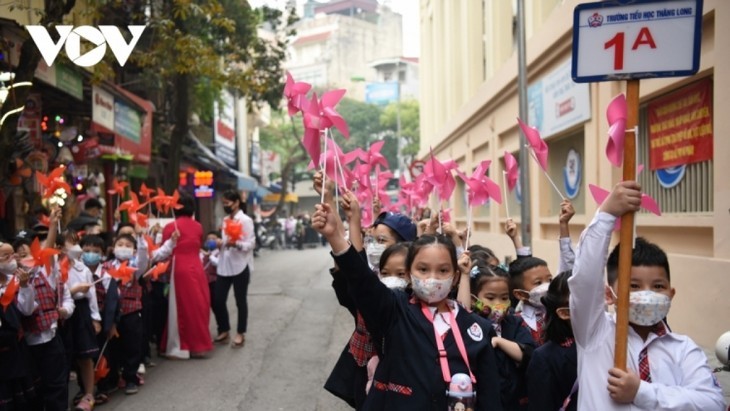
{"x": 441, "y": 327}
{"x": 72, "y": 306}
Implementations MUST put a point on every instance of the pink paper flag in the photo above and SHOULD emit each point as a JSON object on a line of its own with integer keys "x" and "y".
{"x": 538, "y": 145}
{"x": 616, "y": 114}
{"x": 647, "y": 202}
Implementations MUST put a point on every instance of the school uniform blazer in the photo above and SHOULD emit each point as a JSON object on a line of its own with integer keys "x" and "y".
{"x": 513, "y": 387}
{"x": 409, "y": 375}
{"x": 551, "y": 375}
{"x": 112, "y": 313}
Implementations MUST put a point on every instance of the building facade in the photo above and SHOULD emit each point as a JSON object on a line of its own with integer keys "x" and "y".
{"x": 469, "y": 106}
{"x": 336, "y": 41}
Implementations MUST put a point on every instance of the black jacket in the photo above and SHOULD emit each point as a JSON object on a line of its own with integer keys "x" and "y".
{"x": 550, "y": 376}
{"x": 513, "y": 387}
{"x": 410, "y": 355}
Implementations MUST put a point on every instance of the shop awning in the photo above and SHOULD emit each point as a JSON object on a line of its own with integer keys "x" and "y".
{"x": 274, "y": 198}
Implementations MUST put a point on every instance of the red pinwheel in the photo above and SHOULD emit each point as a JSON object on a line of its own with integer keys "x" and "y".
{"x": 41, "y": 256}
{"x": 233, "y": 230}
{"x": 123, "y": 273}
{"x": 536, "y": 143}
{"x": 63, "y": 267}
{"x": 118, "y": 188}
{"x": 511, "y": 170}
{"x": 616, "y": 114}
{"x": 166, "y": 203}
{"x": 151, "y": 246}
{"x": 481, "y": 188}
{"x": 320, "y": 115}
{"x": 139, "y": 219}
{"x": 439, "y": 175}
{"x": 295, "y": 93}
{"x": 101, "y": 370}
{"x": 9, "y": 295}
{"x": 146, "y": 192}
{"x": 132, "y": 205}
{"x": 52, "y": 182}
{"x": 159, "y": 269}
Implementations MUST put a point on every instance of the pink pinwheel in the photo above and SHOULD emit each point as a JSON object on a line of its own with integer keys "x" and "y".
{"x": 422, "y": 188}
{"x": 536, "y": 143}
{"x": 320, "y": 115}
{"x": 439, "y": 175}
{"x": 372, "y": 156}
{"x": 295, "y": 93}
{"x": 511, "y": 169}
{"x": 647, "y": 202}
{"x": 616, "y": 114}
{"x": 334, "y": 164}
{"x": 481, "y": 188}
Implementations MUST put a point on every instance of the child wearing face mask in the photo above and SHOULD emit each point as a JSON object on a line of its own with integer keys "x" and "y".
{"x": 411, "y": 373}
{"x": 130, "y": 327}
{"x": 513, "y": 342}
{"x": 552, "y": 374}
{"x": 107, "y": 297}
{"x": 665, "y": 370}
{"x": 16, "y": 379}
{"x": 529, "y": 280}
{"x": 85, "y": 323}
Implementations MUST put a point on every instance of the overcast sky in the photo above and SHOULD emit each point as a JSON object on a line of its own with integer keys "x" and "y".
{"x": 408, "y": 8}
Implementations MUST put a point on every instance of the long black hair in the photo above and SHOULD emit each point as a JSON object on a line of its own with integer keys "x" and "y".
{"x": 556, "y": 329}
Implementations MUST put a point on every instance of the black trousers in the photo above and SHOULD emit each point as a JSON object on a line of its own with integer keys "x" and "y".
{"x": 52, "y": 367}
{"x": 240, "y": 291}
{"x": 211, "y": 288}
{"x": 130, "y": 335}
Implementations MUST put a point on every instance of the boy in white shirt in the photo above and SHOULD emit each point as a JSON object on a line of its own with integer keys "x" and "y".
{"x": 666, "y": 371}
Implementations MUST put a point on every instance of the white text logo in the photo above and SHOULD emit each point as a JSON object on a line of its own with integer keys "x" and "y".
{"x": 71, "y": 37}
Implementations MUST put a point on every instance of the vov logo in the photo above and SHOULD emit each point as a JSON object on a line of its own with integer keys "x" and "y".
{"x": 71, "y": 37}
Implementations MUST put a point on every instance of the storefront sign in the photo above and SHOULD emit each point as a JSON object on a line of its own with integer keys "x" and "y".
{"x": 69, "y": 81}
{"x": 30, "y": 118}
{"x": 680, "y": 127}
{"x": 557, "y": 103}
{"x": 127, "y": 122}
{"x": 203, "y": 183}
{"x": 225, "y": 129}
{"x": 102, "y": 108}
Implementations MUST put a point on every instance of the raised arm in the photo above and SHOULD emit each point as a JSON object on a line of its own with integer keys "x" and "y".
{"x": 567, "y": 254}
{"x": 510, "y": 227}
{"x": 586, "y": 284}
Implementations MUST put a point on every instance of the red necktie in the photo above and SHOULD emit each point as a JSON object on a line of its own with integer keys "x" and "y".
{"x": 644, "y": 371}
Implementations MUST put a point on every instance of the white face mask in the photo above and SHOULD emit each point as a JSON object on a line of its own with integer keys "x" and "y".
{"x": 432, "y": 290}
{"x": 74, "y": 252}
{"x": 374, "y": 252}
{"x": 9, "y": 267}
{"x": 394, "y": 283}
{"x": 536, "y": 295}
{"x": 647, "y": 307}
{"x": 123, "y": 253}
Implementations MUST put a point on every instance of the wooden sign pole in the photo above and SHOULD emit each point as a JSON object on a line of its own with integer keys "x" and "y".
{"x": 627, "y": 229}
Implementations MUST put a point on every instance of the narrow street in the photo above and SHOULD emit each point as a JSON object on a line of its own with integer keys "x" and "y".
{"x": 296, "y": 332}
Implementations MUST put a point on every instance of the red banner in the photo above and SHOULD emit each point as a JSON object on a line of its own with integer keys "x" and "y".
{"x": 680, "y": 127}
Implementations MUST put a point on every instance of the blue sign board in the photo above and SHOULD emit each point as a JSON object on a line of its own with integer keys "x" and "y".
{"x": 381, "y": 93}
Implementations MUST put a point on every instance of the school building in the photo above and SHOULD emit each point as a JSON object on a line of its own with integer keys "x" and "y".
{"x": 469, "y": 105}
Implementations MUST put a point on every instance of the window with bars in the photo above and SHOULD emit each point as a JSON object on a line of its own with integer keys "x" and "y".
{"x": 693, "y": 194}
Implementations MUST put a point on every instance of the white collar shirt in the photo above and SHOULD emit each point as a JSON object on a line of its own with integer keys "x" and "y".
{"x": 234, "y": 258}
{"x": 681, "y": 378}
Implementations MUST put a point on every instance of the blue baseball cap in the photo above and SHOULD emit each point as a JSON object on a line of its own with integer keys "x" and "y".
{"x": 402, "y": 225}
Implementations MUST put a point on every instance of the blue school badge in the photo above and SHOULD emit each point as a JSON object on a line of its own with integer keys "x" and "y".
{"x": 670, "y": 177}
{"x": 572, "y": 174}
{"x": 475, "y": 332}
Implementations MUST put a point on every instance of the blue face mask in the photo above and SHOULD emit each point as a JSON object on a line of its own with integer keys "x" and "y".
{"x": 210, "y": 245}
{"x": 91, "y": 258}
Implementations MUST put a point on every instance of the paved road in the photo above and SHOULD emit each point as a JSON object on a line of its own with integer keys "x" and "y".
{"x": 296, "y": 332}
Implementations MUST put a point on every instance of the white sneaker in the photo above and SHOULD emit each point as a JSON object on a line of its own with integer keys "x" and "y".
{"x": 141, "y": 369}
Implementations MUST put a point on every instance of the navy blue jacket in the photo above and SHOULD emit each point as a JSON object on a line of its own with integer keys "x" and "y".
{"x": 409, "y": 374}
{"x": 513, "y": 387}
{"x": 550, "y": 376}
